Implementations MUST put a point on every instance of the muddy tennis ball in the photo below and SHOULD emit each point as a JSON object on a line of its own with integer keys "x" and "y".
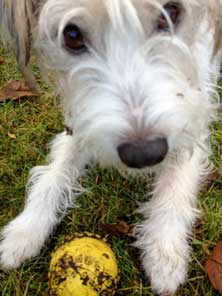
{"x": 83, "y": 266}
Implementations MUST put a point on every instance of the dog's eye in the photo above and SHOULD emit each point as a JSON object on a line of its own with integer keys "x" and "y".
{"x": 173, "y": 10}
{"x": 74, "y": 40}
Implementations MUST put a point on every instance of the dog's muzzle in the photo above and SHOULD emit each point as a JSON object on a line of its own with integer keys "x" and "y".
{"x": 143, "y": 154}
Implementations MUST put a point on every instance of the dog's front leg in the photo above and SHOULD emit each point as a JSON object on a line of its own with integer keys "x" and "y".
{"x": 50, "y": 194}
{"x": 170, "y": 215}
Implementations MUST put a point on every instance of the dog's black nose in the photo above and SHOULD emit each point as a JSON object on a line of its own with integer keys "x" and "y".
{"x": 143, "y": 154}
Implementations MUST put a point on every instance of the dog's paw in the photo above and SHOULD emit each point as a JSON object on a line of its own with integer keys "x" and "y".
{"x": 166, "y": 268}
{"x": 18, "y": 243}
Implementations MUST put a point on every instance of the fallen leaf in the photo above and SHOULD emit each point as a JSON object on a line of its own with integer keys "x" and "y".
{"x": 15, "y": 90}
{"x": 213, "y": 268}
{"x": 1, "y": 61}
{"x": 11, "y": 136}
{"x": 121, "y": 228}
{"x": 210, "y": 180}
{"x": 213, "y": 176}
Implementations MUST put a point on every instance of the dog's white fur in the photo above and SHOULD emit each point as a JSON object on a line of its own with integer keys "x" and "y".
{"x": 134, "y": 82}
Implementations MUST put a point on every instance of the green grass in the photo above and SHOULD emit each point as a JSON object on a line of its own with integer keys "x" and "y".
{"x": 26, "y": 128}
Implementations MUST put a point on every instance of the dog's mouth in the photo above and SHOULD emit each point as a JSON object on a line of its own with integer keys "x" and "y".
{"x": 140, "y": 155}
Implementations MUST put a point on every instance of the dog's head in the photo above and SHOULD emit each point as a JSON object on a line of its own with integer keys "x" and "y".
{"x": 136, "y": 75}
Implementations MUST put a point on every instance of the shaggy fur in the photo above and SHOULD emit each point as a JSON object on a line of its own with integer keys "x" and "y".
{"x": 134, "y": 84}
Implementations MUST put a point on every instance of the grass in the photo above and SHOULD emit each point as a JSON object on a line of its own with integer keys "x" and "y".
{"x": 26, "y": 128}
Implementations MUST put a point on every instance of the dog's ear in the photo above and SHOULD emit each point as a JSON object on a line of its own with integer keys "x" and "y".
{"x": 216, "y": 6}
{"x": 17, "y": 21}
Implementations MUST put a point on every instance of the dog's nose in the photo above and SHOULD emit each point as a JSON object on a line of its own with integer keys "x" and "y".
{"x": 143, "y": 154}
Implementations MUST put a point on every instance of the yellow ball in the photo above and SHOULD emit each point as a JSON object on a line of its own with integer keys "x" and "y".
{"x": 84, "y": 266}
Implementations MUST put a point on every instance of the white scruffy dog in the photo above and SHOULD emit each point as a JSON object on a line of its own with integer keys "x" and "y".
{"x": 138, "y": 81}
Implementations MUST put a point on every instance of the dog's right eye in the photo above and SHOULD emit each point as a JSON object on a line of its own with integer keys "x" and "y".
{"x": 74, "y": 40}
{"x": 173, "y": 10}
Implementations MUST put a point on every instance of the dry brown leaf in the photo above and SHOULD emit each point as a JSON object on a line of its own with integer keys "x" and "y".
{"x": 15, "y": 90}
{"x": 213, "y": 268}
{"x": 210, "y": 180}
{"x": 1, "y": 61}
{"x": 121, "y": 228}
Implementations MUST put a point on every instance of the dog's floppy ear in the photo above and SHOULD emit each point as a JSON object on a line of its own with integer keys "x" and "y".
{"x": 17, "y": 20}
{"x": 216, "y": 8}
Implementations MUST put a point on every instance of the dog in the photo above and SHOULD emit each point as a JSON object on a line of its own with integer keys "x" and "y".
{"x": 138, "y": 80}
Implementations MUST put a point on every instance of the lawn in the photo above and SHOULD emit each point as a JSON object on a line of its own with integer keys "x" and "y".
{"x": 26, "y": 127}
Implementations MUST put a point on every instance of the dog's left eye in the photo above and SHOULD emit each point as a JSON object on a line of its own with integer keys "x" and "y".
{"x": 74, "y": 40}
{"x": 173, "y": 10}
